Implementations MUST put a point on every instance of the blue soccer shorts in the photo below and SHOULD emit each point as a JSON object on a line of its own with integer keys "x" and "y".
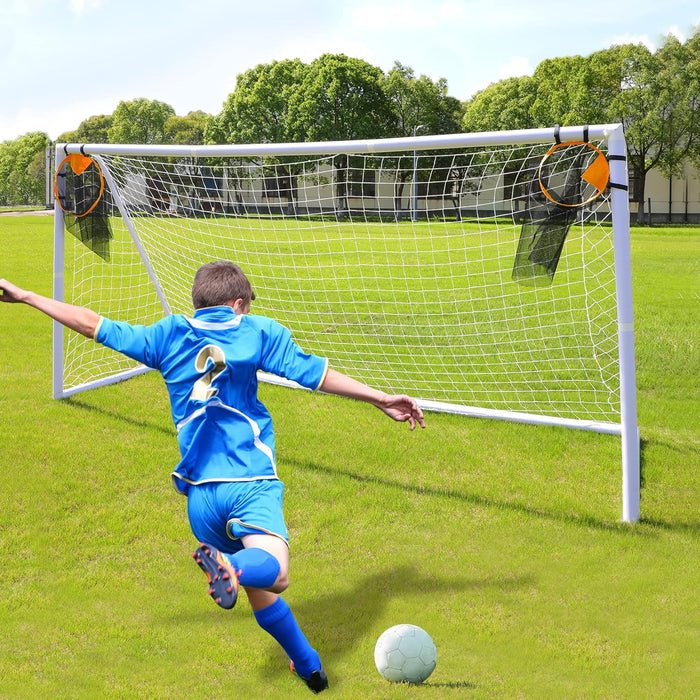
{"x": 220, "y": 513}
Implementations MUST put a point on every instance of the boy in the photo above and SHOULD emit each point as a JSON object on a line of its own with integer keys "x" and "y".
{"x": 227, "y": 471}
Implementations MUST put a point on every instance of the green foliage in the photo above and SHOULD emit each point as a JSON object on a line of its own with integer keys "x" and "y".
{"x": 679, "y": 95}
{"x": 257, "y": 111}
{"x": 654, "y": 95}
{"x": 335, "y": 97}
{"x": 420, "y": 102}
{"x": 501, "y": 540}
{"x": 340, "y": 98}
{"x": 501, "y": 106}
{"x": 557, "y": 98}
{"x": 91, "y": 130}
{"x": 189, "y": 129}
{"x": 23, "y": 169}
{"x": 140, "y": 121}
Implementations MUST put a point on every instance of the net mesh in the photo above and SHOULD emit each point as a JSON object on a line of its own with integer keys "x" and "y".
{"x": 398, "y": 267}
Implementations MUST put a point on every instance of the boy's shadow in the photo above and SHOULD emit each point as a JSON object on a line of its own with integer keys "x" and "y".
{"x": 337, "y": 621}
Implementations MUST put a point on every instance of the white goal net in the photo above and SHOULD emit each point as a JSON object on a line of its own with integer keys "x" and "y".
{"x": 478, "y": 273}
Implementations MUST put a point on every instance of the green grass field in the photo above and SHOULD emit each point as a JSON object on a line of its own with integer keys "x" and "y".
{"x": 503, "y": 541}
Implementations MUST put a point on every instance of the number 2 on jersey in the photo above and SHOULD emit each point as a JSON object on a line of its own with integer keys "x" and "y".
{"x": 210, "y": 357}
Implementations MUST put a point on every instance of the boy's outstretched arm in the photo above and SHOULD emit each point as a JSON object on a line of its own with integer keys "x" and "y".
{"x": 78, "y": 318}
{"x": 397, "y": 406}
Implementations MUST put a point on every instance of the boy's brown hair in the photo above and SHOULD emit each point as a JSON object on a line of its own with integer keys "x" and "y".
{"x": 220, "y": 283}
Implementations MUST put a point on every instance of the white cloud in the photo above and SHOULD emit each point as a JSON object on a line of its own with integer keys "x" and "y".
{"x": 201, "y": 45}
{"x": 62, "y": 117}
{"x": 675, "y": 30}
{"x": 515, "y": 68}
{"x": 651, "y": 44}
{"x": 643, "y": 39}
{"x": 406, "y": 16}
{"x": 315, "y": 46}
{"x": 82, "y": 7}
{"x": 27, "y": 7}
{"x": 398, "y": 16}
{"x": 452, "y": 10}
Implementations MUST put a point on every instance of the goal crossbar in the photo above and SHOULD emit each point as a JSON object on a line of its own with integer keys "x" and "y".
{"x": 417, "y": 143}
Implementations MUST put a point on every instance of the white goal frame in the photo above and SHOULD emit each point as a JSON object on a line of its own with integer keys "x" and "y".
{"x": 626, "y": 428}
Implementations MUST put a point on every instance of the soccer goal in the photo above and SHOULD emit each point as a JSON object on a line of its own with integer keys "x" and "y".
{"x": 485, "y": 274}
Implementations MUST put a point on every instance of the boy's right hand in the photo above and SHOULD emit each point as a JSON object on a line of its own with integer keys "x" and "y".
{"x": 10, "y": 293}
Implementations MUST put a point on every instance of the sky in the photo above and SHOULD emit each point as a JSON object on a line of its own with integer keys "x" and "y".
{"x": 62, "y": 61}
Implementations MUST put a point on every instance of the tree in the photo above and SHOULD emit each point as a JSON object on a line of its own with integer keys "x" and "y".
{"x": 23, "y": 169}
{"x": 562, "y": 92}
{"x": 630, "y": 74}
{"x": 679, "y": 86}
{"x": 189, "y": 129}
{"x": 420, "y": 102}
{"x": 421, "y": 105}
{"x": 91, "y": 130}
{"x": 144, "y": 121}
{"x": 257, "y": 110}
{"x": 140, "y": 121}
{"x": 654, "y": 95}
{"x": 340, "y": 98}
{"x": 504, "y": 105}
{"x": 692, "y": 81}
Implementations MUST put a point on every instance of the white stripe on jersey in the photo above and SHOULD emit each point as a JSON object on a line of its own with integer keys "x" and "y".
{"x": 259, "y": 444}
{"x": 214, "y": 326}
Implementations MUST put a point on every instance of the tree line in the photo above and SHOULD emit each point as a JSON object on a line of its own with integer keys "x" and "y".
{"x": 655, "y": 95}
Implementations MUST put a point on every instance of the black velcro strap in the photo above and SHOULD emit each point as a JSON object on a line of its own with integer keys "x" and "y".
{"x": 556, "y": 134}
{"x": 585, "y": 134}
{"x": 618, "y": 186}
{"x": 617, "y": 157}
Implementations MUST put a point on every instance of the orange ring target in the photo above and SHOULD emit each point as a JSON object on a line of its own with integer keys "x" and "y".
{"x": 79, "y": 164}
{"x": 595, "y": 175}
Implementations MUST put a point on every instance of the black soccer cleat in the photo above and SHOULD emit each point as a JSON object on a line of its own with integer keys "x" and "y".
{"x": 222, "y": 577}
{"x": 316, "y": 682}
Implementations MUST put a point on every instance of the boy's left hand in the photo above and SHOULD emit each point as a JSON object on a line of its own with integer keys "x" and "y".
{"x": 403, "y": 408}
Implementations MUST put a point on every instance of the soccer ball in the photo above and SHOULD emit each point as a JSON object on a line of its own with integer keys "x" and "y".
{"x": 405, "y": 654}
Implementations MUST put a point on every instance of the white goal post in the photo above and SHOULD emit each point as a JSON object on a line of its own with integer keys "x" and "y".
{"x": 486, "y": 274}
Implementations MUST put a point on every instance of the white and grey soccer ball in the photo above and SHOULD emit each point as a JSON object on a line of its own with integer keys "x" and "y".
{"x": 405, "y": 654}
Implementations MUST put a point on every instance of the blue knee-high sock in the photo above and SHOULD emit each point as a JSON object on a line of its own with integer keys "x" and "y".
{"x": 278, "y": 620}
{"x": 258, "y": 568}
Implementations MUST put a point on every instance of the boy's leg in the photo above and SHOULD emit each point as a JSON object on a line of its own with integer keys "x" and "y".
{"x": 262, "y": 567}
{"x": 276, "y": 618}
{"x": 272, "y": 612}
{"x": 261, "y": 564}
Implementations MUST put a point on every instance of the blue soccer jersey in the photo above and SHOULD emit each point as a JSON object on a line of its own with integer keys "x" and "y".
{"x": 210, "y": 363}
